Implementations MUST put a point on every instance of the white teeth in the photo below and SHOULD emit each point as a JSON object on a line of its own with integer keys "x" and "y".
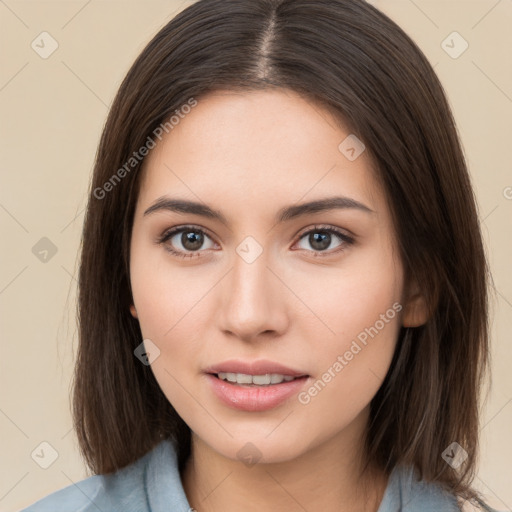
{"x": 241, "y": 378}
{"x": 258, "y": 380}
{"x": 262, "y": 379}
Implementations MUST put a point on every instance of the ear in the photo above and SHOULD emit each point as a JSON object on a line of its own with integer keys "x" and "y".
{"x": 415, "y": 311}
{"x": 133, "y": 311}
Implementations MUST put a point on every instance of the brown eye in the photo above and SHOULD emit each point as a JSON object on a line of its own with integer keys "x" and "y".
{"x": 191, "y": 240}
{"x": 320, "y": 239}
{"x": 185, "y": 239}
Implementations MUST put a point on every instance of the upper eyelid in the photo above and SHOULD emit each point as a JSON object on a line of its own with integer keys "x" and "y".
{"x": 326, "y": 227}
{"x": 171, "y": 232}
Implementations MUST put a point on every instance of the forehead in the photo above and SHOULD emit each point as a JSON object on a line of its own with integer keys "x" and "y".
{"x": 254, "y": 148}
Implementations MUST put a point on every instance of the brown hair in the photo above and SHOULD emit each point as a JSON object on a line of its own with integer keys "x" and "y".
{"x": 359, "y": 64}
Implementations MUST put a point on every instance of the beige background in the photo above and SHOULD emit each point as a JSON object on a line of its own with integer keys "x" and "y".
{"x": 52, "y": 111}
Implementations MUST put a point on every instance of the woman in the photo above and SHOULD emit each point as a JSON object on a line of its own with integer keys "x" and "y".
{"x": 282, "y": 274}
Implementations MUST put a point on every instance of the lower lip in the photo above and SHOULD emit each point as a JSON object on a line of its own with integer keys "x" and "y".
{"x": 254, "y": 398}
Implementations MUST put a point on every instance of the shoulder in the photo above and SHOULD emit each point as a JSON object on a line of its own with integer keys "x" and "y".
{"x": 74, "y": 498}
{"x": 406, "y": 492}
{"x": 133, "y": 488}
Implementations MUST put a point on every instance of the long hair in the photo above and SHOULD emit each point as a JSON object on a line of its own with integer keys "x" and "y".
{"x": 351, "y": 58}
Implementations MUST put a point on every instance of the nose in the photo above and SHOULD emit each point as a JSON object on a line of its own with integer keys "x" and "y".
{"x": 253, "y": 301}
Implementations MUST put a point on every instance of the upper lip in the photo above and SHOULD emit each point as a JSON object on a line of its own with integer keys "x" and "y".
{"x": 261, "y": 367}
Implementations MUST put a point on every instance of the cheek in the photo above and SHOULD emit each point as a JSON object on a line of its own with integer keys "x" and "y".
{"x": 366, "y": 310}
{"x": 170, "y": 315}
{"x": 353, "y": 362}
{"x": 350, "y": 380}
{"x": 171, "y": 308}
{"x": 361, "y": 296}
{"x": 165, "y": 296}
{"x": 356, "y": 356}
{"x": 360, "y": 310}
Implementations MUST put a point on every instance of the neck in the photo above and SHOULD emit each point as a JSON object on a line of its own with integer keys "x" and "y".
{"x": 327, "y": 477}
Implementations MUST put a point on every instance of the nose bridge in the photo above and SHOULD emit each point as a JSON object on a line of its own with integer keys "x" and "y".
{"x": 250, "y": 303}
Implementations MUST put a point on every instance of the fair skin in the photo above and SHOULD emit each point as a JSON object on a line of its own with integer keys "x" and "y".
{"x": 248, "y": 156}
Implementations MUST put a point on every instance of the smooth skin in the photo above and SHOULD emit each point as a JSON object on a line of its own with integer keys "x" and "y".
{"x": 248, "y": 155}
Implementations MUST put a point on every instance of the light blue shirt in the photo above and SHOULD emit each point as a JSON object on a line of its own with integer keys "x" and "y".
{"x": 153, "y": 484}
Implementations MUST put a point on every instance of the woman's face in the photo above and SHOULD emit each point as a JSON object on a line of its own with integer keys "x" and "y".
{"x": 267, "y": 285}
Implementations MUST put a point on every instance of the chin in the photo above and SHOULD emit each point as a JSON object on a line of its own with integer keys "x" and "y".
{"x": 258, "y": 448}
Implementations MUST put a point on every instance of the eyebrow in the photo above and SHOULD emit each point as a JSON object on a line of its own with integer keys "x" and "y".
{"x": 166, "y": 203}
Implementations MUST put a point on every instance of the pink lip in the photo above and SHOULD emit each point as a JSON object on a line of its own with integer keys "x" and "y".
{"x": 252, "y": 398}
{"x": 261, "y": 367}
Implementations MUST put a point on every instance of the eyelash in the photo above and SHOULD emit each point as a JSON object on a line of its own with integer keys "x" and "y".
{"x": 347, "y": 240}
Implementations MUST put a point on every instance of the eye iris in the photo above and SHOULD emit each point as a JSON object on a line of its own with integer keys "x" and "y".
{"x": 192, "y": 237}
{"x": 320, "y": 241}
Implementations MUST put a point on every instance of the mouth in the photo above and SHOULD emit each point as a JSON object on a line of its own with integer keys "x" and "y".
{"x": 254, "y": 373}
{"x": 235, "y": 390}
{"x": 263, "y": 380}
